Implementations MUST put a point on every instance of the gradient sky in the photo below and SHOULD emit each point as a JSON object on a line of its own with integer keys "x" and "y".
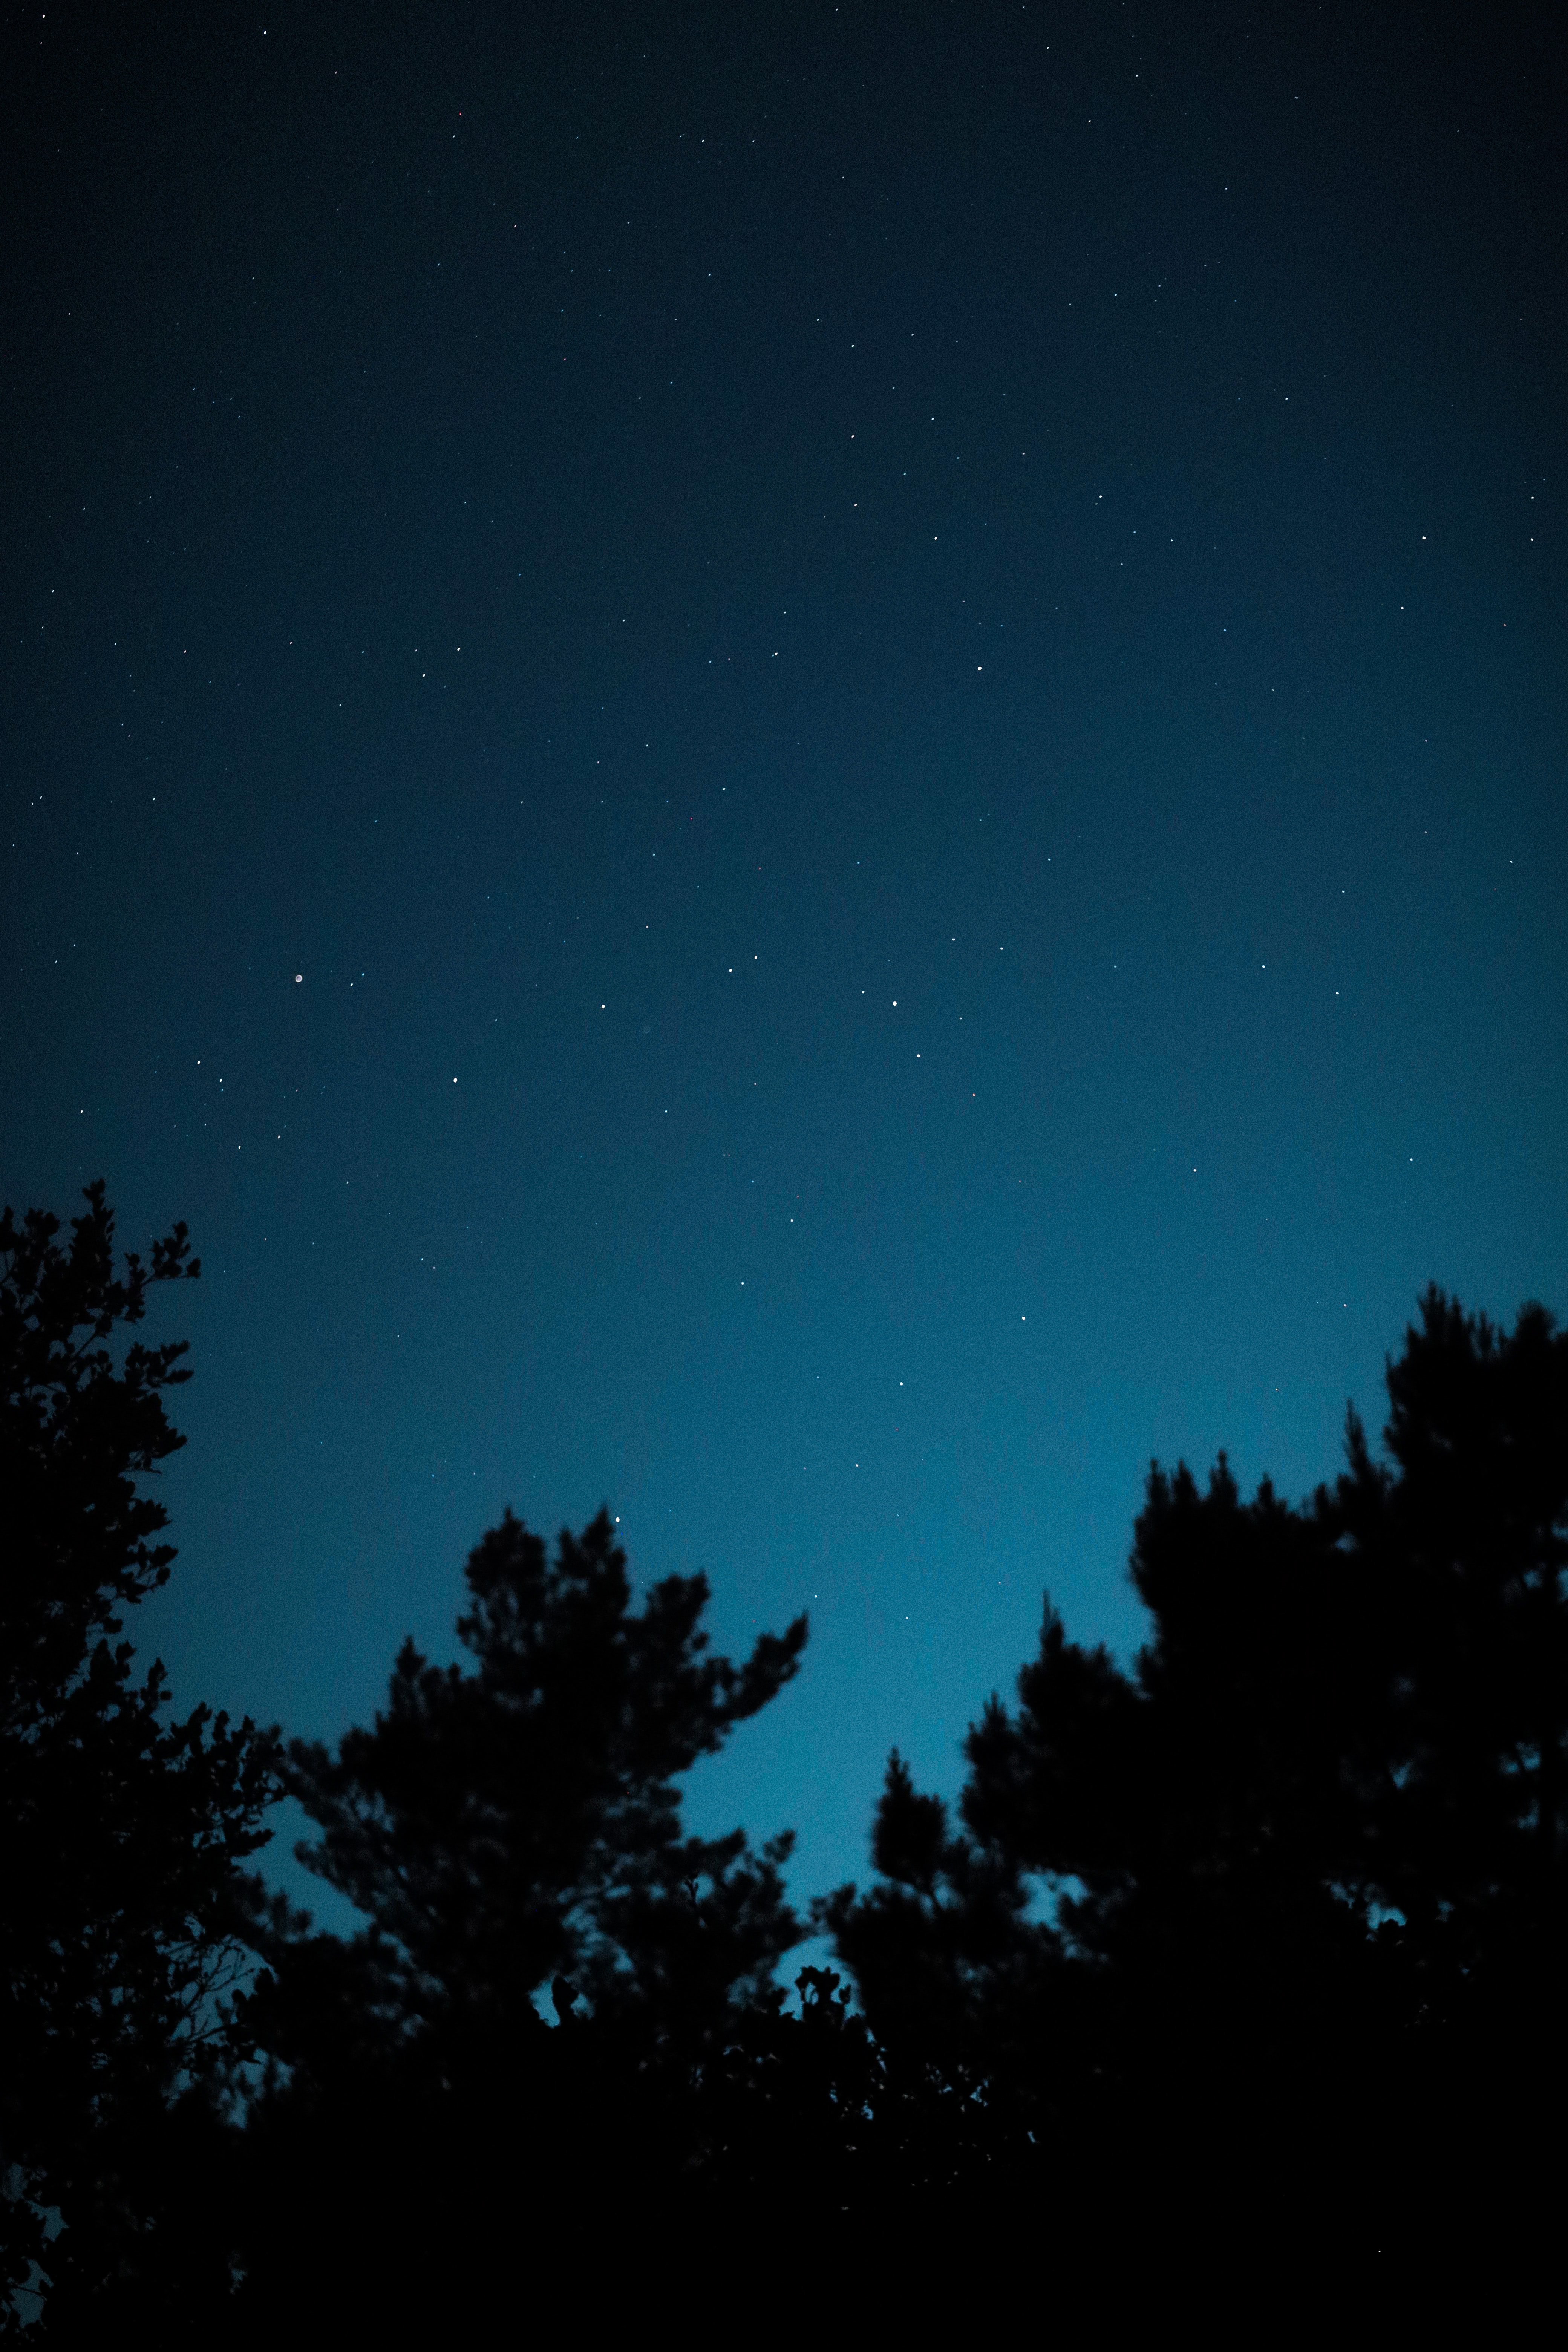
{"x": 802, "y": 767}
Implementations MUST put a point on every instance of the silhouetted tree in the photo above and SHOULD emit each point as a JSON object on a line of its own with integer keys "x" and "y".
{"x": 520, "y": 1820}
{"x": 508, "y": 1825}
{"x": 1466, "y": 1533}
{"x": 1308, "y": 1858}
{"x": 1260, "y": 1941}
{"x": 120, "y": 1833}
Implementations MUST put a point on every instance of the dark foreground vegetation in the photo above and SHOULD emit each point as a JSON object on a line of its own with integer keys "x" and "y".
{"x": 1299, "y": 2002}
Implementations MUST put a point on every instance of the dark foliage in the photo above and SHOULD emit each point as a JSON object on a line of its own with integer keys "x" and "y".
{"x": 520, "y": 1820}
{"x": 120, "y": 1833}
{"x": 1304, "y": 1973}
{"x": 1254, "y": 1952}
{"x": 506, "y": 1827}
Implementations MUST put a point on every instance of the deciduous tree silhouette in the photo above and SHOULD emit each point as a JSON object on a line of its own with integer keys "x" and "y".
{"x": 120, "y": 1833}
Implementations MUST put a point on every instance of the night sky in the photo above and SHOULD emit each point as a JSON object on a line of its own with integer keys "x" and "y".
{"x": 800, "y": 767}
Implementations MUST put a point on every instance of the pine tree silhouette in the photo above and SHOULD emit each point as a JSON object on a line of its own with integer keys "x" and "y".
{"x": 121, "y": 1833}
{"x": 507, "y": 1826}
{"x": 1306, "y": 1859}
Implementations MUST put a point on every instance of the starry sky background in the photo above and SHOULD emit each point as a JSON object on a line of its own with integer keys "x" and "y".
{"x": 800, "y": 766}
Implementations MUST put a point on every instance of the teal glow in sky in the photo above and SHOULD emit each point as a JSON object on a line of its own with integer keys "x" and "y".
{"x": 802, "y": 768}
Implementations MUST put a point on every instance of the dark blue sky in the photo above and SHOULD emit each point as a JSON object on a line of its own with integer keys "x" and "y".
{"x": 800, "y": 766}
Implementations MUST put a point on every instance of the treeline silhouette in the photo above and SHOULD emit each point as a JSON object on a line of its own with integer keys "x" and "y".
{"x": 1252, "y": 1953}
